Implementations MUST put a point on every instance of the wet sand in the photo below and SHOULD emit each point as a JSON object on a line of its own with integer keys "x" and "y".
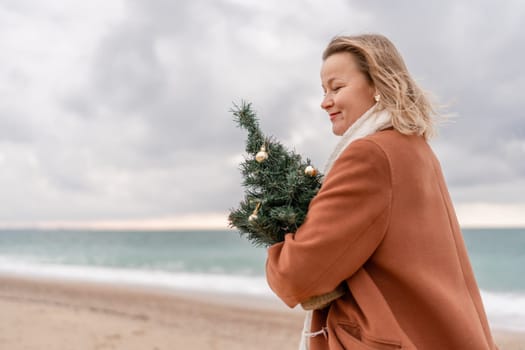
{"x": 65, "y": 315}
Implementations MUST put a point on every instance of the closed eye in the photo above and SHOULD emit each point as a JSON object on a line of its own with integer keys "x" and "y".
{"x": 333, "y": 90}
{"x": 336, "y": 89}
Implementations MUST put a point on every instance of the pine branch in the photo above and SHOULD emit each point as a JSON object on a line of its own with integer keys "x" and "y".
{"x": 277, "y": 190}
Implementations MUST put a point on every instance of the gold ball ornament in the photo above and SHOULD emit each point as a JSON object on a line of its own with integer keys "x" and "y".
{"x": 310, "y": 171}
{"x": 262, "y": 155}
{"x": 254, "y": 216}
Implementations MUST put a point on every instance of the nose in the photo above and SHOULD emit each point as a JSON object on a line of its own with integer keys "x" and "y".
{"x": 327, "y": 102}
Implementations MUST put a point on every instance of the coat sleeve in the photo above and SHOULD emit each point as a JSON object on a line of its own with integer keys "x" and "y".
{"x": 345, "y": 223}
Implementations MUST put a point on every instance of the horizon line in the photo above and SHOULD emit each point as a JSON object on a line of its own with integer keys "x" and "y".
{"x": 470, "y": 215}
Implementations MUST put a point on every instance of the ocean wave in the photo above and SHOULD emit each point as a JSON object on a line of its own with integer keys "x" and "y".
{"x": 206, "y": 282}
{"x": 505, "y": 311}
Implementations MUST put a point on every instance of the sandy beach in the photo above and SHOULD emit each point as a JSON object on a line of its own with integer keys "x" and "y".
{"x": 65, "y": 315}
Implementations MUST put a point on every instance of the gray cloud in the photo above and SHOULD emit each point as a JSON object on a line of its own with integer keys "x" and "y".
{"x": 128, "y": 116}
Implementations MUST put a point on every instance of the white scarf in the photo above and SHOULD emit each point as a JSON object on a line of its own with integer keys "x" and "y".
{"x": 370, "y": 122}
{"x": 367, "y": 124}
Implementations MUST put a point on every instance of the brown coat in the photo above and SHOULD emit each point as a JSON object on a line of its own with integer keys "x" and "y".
{"x": 384, "y": 224}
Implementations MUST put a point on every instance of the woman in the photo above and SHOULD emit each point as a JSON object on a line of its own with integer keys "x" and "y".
{"x": 383, "y": 224}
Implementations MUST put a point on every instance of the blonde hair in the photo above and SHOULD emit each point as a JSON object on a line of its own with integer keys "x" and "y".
{"x": 377, "y": 58}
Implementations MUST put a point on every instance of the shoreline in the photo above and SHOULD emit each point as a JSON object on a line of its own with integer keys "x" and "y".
{"x": 52, "y": 313}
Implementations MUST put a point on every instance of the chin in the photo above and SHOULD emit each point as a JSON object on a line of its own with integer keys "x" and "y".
{"x": 339, "y": 127}
{"x": 338, "y": 131}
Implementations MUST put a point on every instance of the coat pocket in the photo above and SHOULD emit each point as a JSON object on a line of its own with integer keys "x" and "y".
{"x": 351, "y": 337}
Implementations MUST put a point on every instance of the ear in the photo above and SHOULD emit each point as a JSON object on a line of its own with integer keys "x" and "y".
{"x": 373, "y": 91}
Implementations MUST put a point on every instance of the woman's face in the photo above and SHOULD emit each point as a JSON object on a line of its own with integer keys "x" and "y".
{"x": 348, "y": 93}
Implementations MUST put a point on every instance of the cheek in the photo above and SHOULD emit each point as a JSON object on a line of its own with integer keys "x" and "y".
{"x": 364, "y": 96}
{"x": 348, "y": 100}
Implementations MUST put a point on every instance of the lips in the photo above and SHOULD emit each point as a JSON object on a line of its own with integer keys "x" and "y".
{"x": 334, "y": 115}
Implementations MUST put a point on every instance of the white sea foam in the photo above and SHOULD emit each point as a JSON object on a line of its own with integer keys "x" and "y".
{"x": 505, "y": 311}
{"x": 207, "y": 282}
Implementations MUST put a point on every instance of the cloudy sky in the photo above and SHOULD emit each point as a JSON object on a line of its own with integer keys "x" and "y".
{"x": 116, "y": 113}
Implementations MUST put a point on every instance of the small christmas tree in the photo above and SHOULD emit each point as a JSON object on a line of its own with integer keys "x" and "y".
{"x": 278, "y": 184}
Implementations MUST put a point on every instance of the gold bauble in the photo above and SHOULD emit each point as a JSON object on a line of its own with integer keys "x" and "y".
{"x": 262, "y": 155}
{"x": 310, "y": 171}
{"x": 254, "y": 216}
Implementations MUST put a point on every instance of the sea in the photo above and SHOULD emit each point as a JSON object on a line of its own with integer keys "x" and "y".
{"x": 223, "y": 262}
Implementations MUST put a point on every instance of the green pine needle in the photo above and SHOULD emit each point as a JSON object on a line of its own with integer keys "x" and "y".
{"x": 278, "y": 186}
